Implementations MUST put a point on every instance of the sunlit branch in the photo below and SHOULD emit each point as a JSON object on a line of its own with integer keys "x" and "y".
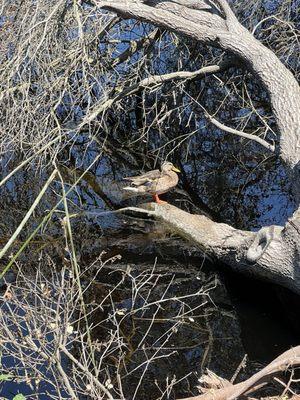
{"x": 152, "y": 81}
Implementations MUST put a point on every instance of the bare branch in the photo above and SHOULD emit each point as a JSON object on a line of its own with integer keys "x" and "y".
{"x": 278, "y": 80}
{"x": 230, "y": 245}
{"x": 225, "y": 128}
{"x": 290, "y": 358}
{"x": 134, "y": 47}
{"x": 245, "y": 135}
{"x": 155, "y": 80}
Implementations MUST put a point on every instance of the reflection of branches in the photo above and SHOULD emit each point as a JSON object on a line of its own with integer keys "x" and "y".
{"x": 44, "y": 328}
{"x": 91, "y": 180}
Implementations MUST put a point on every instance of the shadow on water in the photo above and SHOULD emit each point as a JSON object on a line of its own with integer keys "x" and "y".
{"x": 249, "y": 316}
{"x": 240, "y": 315}
{"x": 269, "y": 316}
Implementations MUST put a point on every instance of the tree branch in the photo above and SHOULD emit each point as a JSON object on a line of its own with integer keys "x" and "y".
{"x": 134, "y": 47}
{"x": 290, "y": 358}
{"x": 171, "y": 16}
{"x": 245, "y": 135}
{"x": 151, "y": 81}
{"x": 251, "y": 253}
{"x": 225, "y": 128}
{"x": 229, "y": 35}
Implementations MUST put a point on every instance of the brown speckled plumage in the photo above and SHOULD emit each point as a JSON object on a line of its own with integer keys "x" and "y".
{"x": 154, "y": 182}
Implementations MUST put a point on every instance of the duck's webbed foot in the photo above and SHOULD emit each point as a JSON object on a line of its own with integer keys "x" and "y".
{"x": 158, "y": 200}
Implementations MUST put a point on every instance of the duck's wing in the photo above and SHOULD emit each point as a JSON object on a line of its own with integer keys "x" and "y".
{"x": 146, "y": 178}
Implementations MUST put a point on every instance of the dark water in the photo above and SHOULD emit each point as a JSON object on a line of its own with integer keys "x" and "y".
{"x": 243, "y": 316}
{"x": 269, "y": 316}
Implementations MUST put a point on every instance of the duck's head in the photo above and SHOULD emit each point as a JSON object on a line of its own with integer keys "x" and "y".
{"x": 168, "y": 166}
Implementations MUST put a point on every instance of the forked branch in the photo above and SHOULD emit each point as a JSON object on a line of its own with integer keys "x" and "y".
{"x": 290, "y": 358}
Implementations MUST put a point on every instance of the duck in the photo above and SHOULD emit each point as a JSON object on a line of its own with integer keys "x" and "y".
{"x": 154, "y": 182}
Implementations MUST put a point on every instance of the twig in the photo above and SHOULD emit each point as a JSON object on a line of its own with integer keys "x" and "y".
{"x": 245, "y": 135}
{"x": 28, "y": 215}
{"x": 86, "y": 371}
{"x": 154, "y": 80}
{"x": 225, "y": 128}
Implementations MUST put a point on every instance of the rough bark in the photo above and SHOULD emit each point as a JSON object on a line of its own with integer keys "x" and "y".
{"x": 223, "y": 30}
{"x": 273, "y": 252}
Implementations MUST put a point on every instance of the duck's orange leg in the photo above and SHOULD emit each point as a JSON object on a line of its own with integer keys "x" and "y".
{"x": 158, "y": 200}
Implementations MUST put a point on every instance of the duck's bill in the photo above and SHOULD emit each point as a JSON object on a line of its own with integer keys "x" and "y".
{"x": 176, "y": 169}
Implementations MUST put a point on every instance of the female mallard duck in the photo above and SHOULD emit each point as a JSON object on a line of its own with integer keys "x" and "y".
{"x": 154, "y": 182}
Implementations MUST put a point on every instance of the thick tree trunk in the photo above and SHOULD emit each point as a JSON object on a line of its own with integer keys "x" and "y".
{"x": 282, "y": 87}
{"x": 227, "y": 33}
{"x": 273, "y": 252}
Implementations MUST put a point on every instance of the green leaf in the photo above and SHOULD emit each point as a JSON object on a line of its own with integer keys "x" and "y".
{"x": 5, "y": 377}
{"x": 19, "y": 397}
